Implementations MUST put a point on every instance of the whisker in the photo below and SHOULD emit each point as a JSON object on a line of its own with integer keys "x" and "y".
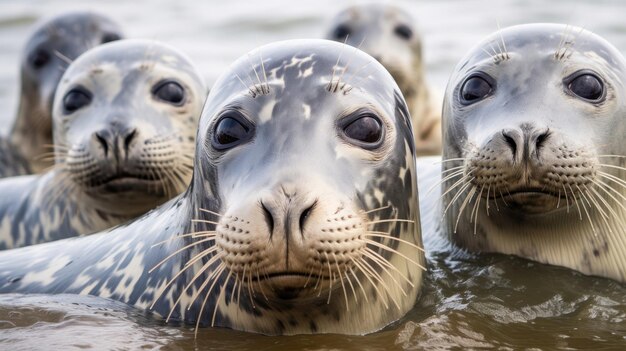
{"x": 267, "y": 84}
{"x": 64, "y": 58}
{"x": 368, "y": 277}
{"x": 455, "y": 198}
{"x": 384, "y": 261}
{"x": 382, "y": 282}
{"x": 451, "y": 160}
{"x": 377, "y": 209}
{"x": 211, "y": 212}
{"x": 449, "y": 176}
{"x": 221, "y": 269}
{"x": 585, "y": 209}
{"x": 394, "y": 251}
{"x": 330, "y": 281}
{"x": 199, "y": 234}
{"x": 219, "y": 297}
{"x": 606, "y": 189}
{"x": 467, "y": 200}
{"x": 360, "y": 285}
{"x": 202, "y": 269}
{"x": 177, "y": 252}
{"x": 390, "y": 221}
{"x": 387, "y": 236}
{"x": 204, "y": 221}
{"x": 383, "y": 267}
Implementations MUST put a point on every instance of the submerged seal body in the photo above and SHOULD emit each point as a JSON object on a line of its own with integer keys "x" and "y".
{"x": 534, "y": 155}
{"x": 301, "y": 218}
{"x": 52, "y": 46}
{"x": 125, "y": 117}
{"x": 388, "y": 33}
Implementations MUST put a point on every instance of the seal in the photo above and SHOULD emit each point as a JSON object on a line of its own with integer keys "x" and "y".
{"x": 124, "y": 119}
{"x": 302, "y": 216}
{"x": 533, "y": 154}
{"x": 388, "y": 33}
{"x": 52, "y": 46}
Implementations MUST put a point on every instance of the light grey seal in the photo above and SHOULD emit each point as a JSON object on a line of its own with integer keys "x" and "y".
{"x": 53, "y": 45}
{"x": 302, "y": 216}
{"x": 534, "y": 154}
{"x": 125, "y": 116}
{"x": 389, "y": 34}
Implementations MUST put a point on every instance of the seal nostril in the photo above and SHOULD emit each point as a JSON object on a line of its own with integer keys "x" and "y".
{"x": 541, "y": 139}
{"x": 129, "y": 138}
{"x": 511, "y": 142}
{"x": 305, "y": 214}
{"x": 102, "y": 140}
{"x": 269, "y": 219}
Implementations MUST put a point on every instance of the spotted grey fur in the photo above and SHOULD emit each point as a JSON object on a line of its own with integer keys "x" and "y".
{"x": 296, "y": 196}
{"x": 389, "y": 34}
{"x": 117, "y": 157}
{"x": 527, "y": 169}
{"x": 54, "y": 43}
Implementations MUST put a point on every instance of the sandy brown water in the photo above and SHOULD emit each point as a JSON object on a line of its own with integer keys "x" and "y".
{"x": 491, "y": 301}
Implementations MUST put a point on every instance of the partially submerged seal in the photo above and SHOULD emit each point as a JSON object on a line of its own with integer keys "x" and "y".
{"x": 125, "y": 116}
{"x": 534, "y": 155}
{"x": 302, "y": 216}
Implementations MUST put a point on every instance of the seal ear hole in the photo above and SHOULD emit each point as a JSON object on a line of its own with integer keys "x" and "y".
{"x": 364, "y": 129}
{"x": 341, "y": 31}
{"x": 403, "y": 31}
{"x": 587, "y": 86}
{"x": 231, "y": 130}
{"x": 39, "y": 58}
{"x": 109, "y": 37}
{"x": 475, "y": 88}
{"x": 76, "y": 99}
{"x": 169, "y": 91}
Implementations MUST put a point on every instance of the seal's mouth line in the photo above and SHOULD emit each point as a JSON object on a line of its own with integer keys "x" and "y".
{"x": 506, "y": 193}
{"x": 126, "y": 178}
{"x": 288, "y": 274}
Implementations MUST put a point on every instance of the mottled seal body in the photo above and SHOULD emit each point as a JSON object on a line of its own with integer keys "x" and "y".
{"x": 534, "y": 151}
{"x": 125, "y": 115}
{"x": 301, "y": 217}
{"x": 52, "y": 46}
{"x": 388, "y": 33}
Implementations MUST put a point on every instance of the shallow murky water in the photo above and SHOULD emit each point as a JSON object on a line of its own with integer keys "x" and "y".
{"x": 467, "y": 301}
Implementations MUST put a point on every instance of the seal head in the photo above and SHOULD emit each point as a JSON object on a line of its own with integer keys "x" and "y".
{"x": 533, "y": 165}
{"x": 389, "y": 34}
{"x": 50, "y": 49}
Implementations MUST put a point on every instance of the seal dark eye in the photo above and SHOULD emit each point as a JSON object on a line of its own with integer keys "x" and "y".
{"x": 76, "y": 99}
{"x": 474, "y": 89}
{"x": 403, "y": 31}
{"x": 109, "y": 37}
{"x": 367, "y": 129}
{"x": 231, "y": 130}
{"x": 341, "y": 32}
{"x": 587, "y": 86}
{"x": 170, "y": 92}
{"x": 39, "y": 59}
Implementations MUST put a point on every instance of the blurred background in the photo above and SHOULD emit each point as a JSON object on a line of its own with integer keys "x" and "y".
{"x": 215, "y": 33}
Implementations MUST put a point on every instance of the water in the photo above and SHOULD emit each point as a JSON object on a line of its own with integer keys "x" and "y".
{"x": 467, "y": 301}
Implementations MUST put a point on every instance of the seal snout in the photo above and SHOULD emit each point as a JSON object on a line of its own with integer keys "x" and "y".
{"x": 115, "y": 143}
{"x": 291, "y": 238}
{"x": 530, "y": 165}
